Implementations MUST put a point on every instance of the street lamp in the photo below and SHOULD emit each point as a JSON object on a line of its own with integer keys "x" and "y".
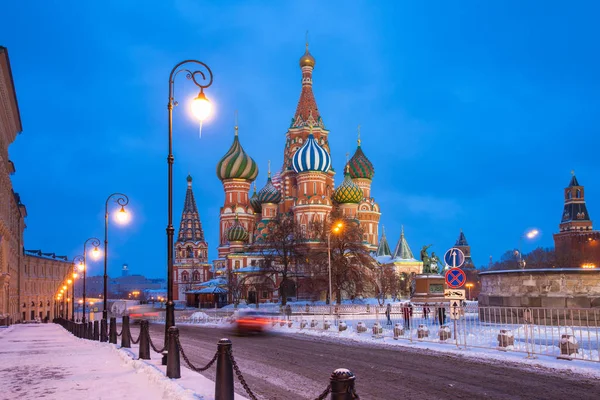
{"x": 337, "y": 228}
{"x": 77, "y": 260}
{"x": 95, "y": 254}
{"x": 122, "y": 217}
{"x": 469, "y": 286}
{"x": 527, "y": 235}
{"x": 201, "y": 108}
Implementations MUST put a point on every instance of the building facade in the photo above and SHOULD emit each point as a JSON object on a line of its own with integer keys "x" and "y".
{"x": 577, "y": 244}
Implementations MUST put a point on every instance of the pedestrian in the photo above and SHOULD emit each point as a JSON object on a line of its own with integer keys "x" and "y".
{"x": 388, "y": 311}
{"x": 288, "y": 312}
{"x": 406, "y": 315}
{"x": 426, "y": 311}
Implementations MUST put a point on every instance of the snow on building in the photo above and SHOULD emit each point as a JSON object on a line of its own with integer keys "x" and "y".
{"x": 402, "y": 259}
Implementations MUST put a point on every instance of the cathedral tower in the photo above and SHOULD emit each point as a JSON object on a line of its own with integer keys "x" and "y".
{"x": 191, "y": 250}
{"x": 236, "y": 170}
{"x": 463, "y": 245}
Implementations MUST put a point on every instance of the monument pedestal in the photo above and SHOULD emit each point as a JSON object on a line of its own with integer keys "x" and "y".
{"x": 429, "y": 288}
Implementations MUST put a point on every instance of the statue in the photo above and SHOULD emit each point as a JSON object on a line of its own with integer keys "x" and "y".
{"x": 426, "y": 260}
{"x": 436, "y": 264}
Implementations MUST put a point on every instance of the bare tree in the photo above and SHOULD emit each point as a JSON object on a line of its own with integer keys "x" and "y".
{"x": 388, "y": 283}
{"x": 283, "y": 248}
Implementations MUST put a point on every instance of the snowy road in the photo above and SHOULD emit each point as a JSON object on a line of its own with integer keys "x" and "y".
{"x": 289, "y": 366}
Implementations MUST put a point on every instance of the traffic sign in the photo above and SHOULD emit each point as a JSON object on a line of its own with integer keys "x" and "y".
{"x": 454, "y": 294}
{"x": 455, "y": 278}
{"x": 454, "y": 257}
{"x": 455, "y": 309}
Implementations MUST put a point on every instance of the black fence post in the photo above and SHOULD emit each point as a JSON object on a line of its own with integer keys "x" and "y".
{"x": 125, "y": 339}
{"x": 173, "y": 366}
{"x": 144, "y": 342}
{"x": 90, "y": 335}
{"x": 224, "y": 377}
{"x": 84, "y": 332}
{"x": 342, "y": 384}
{"x": 96, "y": 331}
{"x": 103, "y": 331}
{"x": 113, "y": 330}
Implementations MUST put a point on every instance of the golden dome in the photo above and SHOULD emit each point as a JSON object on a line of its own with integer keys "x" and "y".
{"x": 307, "y": 60}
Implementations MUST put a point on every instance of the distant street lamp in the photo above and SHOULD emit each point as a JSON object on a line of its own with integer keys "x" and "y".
{"x": 527, "y": 235}
{"x": 337, "y": 228}
{"x": 122, "y": 217}
{"x": 74, "y": 274}
{"x": 469, "y": 286}
{"x": 201, "y": 108}
{"x": 95, "y": 254}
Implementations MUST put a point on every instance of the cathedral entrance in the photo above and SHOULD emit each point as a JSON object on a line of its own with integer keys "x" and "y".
{"x": 251, "y": 297}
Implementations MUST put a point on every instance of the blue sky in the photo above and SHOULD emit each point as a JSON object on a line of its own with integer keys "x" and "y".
{"x": 474, "y": 113}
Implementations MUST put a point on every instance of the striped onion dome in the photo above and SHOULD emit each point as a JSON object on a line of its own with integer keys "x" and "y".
{"x": 236, "y": 164}
{"x": 348, "y": 191}
{"x": 360, "y": 166}
{"x": 269, "y": 193}
{"x": 311, "y": 157}
{"x": 254, "y": 201}
{"x": 237, "y": 233}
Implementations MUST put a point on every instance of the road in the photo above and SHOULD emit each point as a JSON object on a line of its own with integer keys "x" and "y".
{"x": 293, "y": 366}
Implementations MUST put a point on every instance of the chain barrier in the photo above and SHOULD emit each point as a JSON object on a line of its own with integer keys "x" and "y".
{"x": 354, "y": 394}
{"x": 131, "y": 336}
{"x": 325, "y": 393}
{"x": 154, "y": 347}
{"x": 240, "y": 377}
{"x": 119, "y": 334}
{"x": 189, "y": 363}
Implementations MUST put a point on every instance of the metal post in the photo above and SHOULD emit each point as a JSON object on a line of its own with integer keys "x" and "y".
{"x": 96, "y": 331}
{"x": 113, "y": 331}
{"x": 90, "y": 335}
{"x": 73, "y": 293}
{"x": 144, "y": 342}
{"x": 122, "y": 200}
{"x": 84, "y": 332}
{"x": 173, "y": 366}
{"x": 342, "y": 384}
{"x": 224, "y": 377}
{"x": 329, "y": 268}
{"x": 125, "y": 339}
{"x": 103, "y": 331}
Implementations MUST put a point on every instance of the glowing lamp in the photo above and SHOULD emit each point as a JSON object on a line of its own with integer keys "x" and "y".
{"x": 122, "y": 216}
{"x": 64, "y": 287}
{"x": 69, "y": 281}
{"x": 532, "y": 233}
{"x": 201, "y": 107}
{"x": 81, "y": 266}
{"x": 96, "y": 252}
{"x": 74, "y": 275}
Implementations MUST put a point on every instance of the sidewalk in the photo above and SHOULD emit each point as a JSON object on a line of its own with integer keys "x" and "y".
{"x": 45, "y": 361}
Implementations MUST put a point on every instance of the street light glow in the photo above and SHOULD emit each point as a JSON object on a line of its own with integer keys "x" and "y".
{"x": 122, "y": 217}
{"x": 80, "y": 266}
{"x": 201, "y": 107}
{"x": 69, "y": 281}
{"x": 532, "y": 233}
{"x": 74, "y": 275}
{"x": 96, "y": 252}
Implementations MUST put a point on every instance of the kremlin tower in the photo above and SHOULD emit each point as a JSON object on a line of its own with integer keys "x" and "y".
{"x": 191, "y": 265}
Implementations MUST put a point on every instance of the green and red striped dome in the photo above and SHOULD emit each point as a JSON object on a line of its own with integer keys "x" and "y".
{"x": 360, "y": 166}
{"x": 236, "y": 164}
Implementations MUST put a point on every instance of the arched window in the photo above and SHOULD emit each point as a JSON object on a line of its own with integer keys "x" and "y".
{"x": 190, "y": 252}
{"x": 185, "y": 276}
{"x": 578, "y": 193}
{"x": 196, "y": 276}
{"x": 569, "y": 195}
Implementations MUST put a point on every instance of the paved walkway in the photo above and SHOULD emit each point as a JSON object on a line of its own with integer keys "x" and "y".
{"x": 43, "y": 361}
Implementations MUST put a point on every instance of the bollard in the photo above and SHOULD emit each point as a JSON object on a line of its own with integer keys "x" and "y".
{"x": 113, "y": 330}
{"x": 224, "y": 377}
{"x": 144, "y": 342}
{"x": 103, "y": 331}
{"x": 84, "y": 331}
{"x": 125, "y": 339}
{"x": 96, "y": 331}
{"x": 173, "y": 367}
{"x": 342, "y": 384}
{"x": 90, "y": 335}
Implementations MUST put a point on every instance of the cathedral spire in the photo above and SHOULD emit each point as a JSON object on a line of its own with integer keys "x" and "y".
{"x": 190, "y": 228}
{"x": 384, "y": 248}
{"x": 403, "y": 250}
{"x": 307, "y": 112}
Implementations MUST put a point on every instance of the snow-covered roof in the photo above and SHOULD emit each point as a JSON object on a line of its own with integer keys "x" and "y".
{"x": 214, "y": 282}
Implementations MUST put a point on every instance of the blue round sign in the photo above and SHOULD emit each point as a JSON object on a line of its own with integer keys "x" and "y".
{"x": 454, "y": 257}
{"x": 455, "y": 278}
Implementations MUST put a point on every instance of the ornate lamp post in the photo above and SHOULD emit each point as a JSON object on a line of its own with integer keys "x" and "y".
{"x": 201, "y": 108}
{"x": 78, "y": 260}
{"x": 335, "y": 229}
{"x": 122, "y": 217}
{"x": 95, "y": 253}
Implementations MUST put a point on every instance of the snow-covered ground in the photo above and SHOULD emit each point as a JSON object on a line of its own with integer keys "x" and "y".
{"x": 46, "y": 361}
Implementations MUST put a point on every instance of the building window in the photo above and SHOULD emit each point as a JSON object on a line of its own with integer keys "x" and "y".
{"x": 237, "y": 264}
{"x": 578, "y": 193}
{"x": 265, "y": 295}
{"x": 196, "y": 276}
{"x": 185, "y": 276}
{"x": 190, "y": 252}
{"x": 569, "y": 195}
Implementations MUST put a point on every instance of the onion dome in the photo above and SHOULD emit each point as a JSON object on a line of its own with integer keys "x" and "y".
{"x": 311, "y": 157}
{"x": 307, "y": 60}
{"x": 269, "y": 194}
{"x": 360, "y": 166}
{"x": 237, "y": 233}
{"x": 254, "y": 201}
{"x": 189, "y": 178}
{"x": 348, "y": 191}
{"x": 236, "y": 164}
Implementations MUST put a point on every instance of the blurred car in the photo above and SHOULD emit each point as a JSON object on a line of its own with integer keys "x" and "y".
{"x": 251, "y": 321}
